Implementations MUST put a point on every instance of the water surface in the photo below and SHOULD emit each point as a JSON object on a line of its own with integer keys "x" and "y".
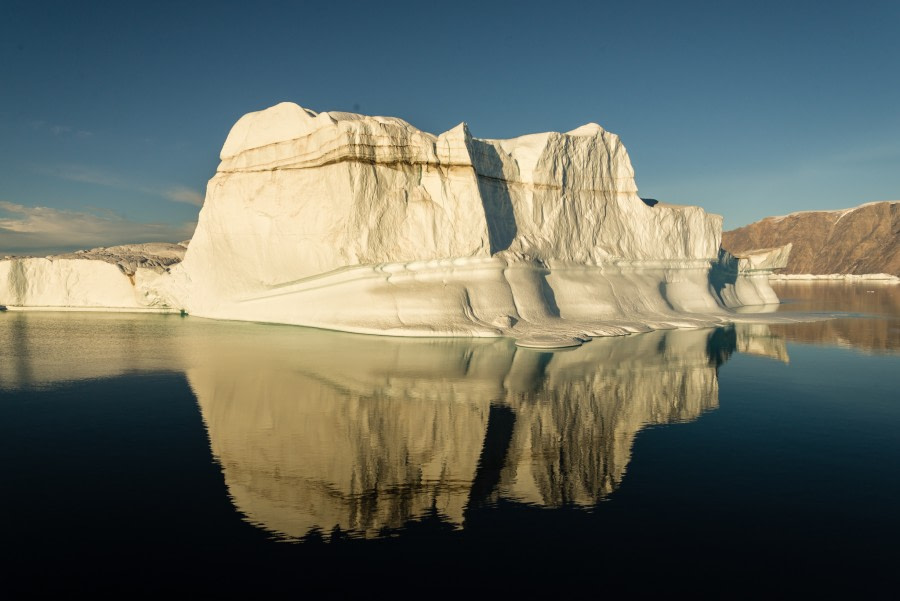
{"x": 144, "y": 449}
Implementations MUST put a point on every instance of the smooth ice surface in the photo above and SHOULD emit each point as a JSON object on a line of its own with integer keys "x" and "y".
{"x": 367, "y": 224}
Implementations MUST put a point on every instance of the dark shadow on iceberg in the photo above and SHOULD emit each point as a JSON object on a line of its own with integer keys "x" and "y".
{"x": 494, "y": 191}
{"x": 724, "y": 273}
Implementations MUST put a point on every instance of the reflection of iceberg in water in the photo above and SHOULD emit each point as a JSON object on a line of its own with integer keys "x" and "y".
{"x": 576, "y": 428}
{"x": 366, "y": 433}
{"x": 879, "y": 303}
{"x": 758, "y": 339}
{"x": 302, "y": 447}
{"x": 317, "y": 429}
{"x": 41, "y": 349}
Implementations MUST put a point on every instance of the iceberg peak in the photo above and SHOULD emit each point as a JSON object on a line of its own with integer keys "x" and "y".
{"x": 588, "y": 129}
{"x": 278, "y": 123}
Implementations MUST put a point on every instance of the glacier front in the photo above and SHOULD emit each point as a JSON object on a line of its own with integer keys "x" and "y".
{"x": 367, "y": 224}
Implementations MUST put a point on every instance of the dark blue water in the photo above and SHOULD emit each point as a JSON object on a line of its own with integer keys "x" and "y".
{"x": 160, "y": 453}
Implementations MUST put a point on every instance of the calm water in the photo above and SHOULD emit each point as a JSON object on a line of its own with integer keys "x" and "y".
{"x": 142, "y": 451}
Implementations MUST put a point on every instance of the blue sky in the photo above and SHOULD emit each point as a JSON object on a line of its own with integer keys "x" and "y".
{"x": 112, "y": 114}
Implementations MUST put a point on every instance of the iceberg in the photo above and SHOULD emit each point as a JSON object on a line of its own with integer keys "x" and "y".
{"x": 367, "y": 224}
{"x": 113, "y": 278}
{"x": 743, "y": 279}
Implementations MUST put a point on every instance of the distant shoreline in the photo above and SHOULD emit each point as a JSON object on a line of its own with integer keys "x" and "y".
{"x": 843, "y": 277}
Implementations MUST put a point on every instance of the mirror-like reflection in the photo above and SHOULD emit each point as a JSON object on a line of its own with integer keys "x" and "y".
{"x": 43, "y": 348}
{"x": 758, "y": 339}
{"x": 156, "y": 442}
{"x": 364, "y": 433}
{"x": 317, "y": 431}
{"x": 877, "y": 303}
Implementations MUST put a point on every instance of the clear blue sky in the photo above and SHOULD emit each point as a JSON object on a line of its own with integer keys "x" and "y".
{"x": 112, "y": 114}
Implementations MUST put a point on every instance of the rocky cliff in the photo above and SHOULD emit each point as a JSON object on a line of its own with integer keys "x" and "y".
{"x": 861, "y": 240}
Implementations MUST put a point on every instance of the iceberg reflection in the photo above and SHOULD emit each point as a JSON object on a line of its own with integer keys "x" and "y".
{"x": 364, "y": 433}
{"x": 878, "y": 302}
{"x": 316, "y": 430}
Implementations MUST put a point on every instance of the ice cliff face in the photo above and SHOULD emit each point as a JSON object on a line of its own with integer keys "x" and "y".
{"x": 323, "y": 191}
{"x": 117, "y": 277}
{"x": 367, "y": 224}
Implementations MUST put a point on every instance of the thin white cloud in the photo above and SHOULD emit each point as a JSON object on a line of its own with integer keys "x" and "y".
{"x": 184, "y": 194}
{"x": 86, "y": 175}
{"x": 44, "y": 230}
{"x": 99, "y": 177}
{"x": 61, "y": 130}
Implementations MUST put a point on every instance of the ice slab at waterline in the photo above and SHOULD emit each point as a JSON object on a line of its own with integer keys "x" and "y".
{"x": 367, "y": 224}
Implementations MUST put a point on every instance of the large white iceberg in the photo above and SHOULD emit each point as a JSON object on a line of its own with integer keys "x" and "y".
{"x": 367, "y": 224}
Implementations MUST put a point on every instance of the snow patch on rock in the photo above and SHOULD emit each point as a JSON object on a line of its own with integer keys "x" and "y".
{"x": 844, "y": 277}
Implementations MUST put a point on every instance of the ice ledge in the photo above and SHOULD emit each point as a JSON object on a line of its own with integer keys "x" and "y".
{"x": 553, "y": 305}
{"x": 759, "y": 261}
{"x": 743, "y": 280}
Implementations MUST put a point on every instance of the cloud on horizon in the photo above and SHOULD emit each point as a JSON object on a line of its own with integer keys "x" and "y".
{"x": 43, "y": 230}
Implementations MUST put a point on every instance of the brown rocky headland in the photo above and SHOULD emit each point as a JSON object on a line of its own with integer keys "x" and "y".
{"x": 857, "y": 241}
